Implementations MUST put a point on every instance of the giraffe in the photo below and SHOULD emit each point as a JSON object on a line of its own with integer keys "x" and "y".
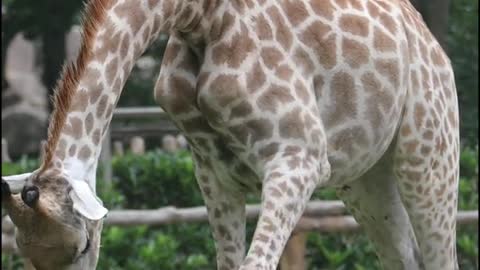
{"x": 277, "y": 98}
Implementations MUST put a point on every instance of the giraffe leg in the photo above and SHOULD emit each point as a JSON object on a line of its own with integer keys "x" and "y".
{"x": 226, "y": 215}
{"x": 427, "y": 171}
{"x": 375, "y": 202}
{"x": 288, "y": 183}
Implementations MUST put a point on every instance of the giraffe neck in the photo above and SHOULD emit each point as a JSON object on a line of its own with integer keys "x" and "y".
{"x": 114, "y": 38}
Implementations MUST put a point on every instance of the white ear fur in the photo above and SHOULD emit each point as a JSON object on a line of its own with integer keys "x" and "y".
{"x": 16, "y": 182}
{"x": 85, "y": 201}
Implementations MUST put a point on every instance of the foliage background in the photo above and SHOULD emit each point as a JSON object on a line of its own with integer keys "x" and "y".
{"x": 463, "y": 51}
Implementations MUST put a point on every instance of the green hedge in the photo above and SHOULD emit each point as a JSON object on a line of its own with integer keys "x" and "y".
{"x": 158, "y": 179}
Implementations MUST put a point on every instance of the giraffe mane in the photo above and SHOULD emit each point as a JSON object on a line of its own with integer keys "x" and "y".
{"x": 93, "y": 16}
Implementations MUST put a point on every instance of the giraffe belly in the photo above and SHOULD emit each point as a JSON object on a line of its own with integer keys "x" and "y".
{"x": 357, "y": 144}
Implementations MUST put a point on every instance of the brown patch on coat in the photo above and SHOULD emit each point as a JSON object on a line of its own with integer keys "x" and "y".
{"x": 269, "y": 150}
{"x": 346, "y": 139}
{"x": 96, "y": 136}
{"x": 134, "y": 15}
{"x": 124, "y": 45}
{"x": 112, "y": 68}
{"x": 419, "y": 115}
{"x": 241, "y": 110}
{"x": 89, "y": 123}
{"x": 84, "y": 153}
{"x": 319, "y": 37}
{"x": 387, "y": 21}
{"x": 380, "y": 100}
{"x": 274, "y": 97}
{"x": 81, "y": 101}
{"x": 102, "y": 105}
{"x": 264, "y": 30}
{"x": 61, "y": 149}
{"x": 271, "y": 56}
{"x": 324, "y": 8}
{"x": 196, "y": 124}
{"x": 117, "y": 86}
{"x": 382, "y": 41}
{"x": 183, "y": 98}
{"x": 318, "y": 83}
{"x": 72, "y": 150}
{"x": 284, "y": 72}
{"x": 437, "y": 56}
{"x": 355, "y": 53}
{"x": 171, "y": 53}
{"x": 354, "y": 24}
{"x": 389, "y": 69}
{"x": 256, "y": 78}
{"x": 225, "y": 89}
{"x": 302, "y": 92}
{"x": 291, "y": 125}
{"x": 255, "y": 130}
{"x": 221, "y": 26}
{"x": 343, "y": 96}
{"x": 302, "y": 59}
{"x": 152, "y": 3}
{"x": 234, "y": 52}
{"x": 295, "y": 10}
{"x": 75, "y": 128}
{"x": 282, "y": 34}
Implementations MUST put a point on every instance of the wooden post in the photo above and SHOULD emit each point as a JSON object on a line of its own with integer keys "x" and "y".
{"x": 106, "y": 159}
{"x": 182, "y": 142}
{"x": 137, "y": 145}
{"x": 118, "y": 148}
{"x": 293, "y": 257}
{"x": 5, "y": 156}
{"x": 169, "y": 144}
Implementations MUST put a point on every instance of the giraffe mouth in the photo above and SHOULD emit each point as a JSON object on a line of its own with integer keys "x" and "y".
{"x": 87, "y": 247}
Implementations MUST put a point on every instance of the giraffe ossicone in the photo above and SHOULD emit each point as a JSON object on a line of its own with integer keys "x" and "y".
{"x": 274, "y": 97}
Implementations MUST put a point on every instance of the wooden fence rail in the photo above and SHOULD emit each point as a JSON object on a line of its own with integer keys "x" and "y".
{"x": 321, "y": 216}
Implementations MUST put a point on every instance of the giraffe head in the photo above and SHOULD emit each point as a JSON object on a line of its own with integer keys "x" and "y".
{"x": 58, "y": 219}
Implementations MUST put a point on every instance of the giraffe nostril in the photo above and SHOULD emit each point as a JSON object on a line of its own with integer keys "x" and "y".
{"x": 30, "y": 195}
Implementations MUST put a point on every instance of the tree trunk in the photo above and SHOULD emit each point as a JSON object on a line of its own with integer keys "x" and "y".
{"x": 7, "y": 37}
{"x": 435, "y": 13}
{"x": 53, "y": 57}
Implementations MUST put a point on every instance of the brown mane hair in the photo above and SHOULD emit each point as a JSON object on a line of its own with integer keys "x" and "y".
{"x": 93, "y": 16}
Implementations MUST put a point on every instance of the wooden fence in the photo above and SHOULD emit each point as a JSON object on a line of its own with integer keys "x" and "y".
{"x": 321, "y": 216}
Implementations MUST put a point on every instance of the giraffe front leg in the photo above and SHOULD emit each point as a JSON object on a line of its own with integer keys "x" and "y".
{"x": 289, "y": 180}
{"x": 288, "y": 185}
{"x": 226, "y": 215}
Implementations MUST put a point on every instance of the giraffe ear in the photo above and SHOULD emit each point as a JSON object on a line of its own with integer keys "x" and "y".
{"x": 85, "y": 201}
{"x": 15, "y": 183}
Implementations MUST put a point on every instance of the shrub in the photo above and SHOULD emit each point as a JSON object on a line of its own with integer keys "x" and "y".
{"x": 158, "y": 179}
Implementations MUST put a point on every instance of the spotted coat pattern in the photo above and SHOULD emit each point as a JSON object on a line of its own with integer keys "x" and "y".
{"x": 282, "y": 97}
